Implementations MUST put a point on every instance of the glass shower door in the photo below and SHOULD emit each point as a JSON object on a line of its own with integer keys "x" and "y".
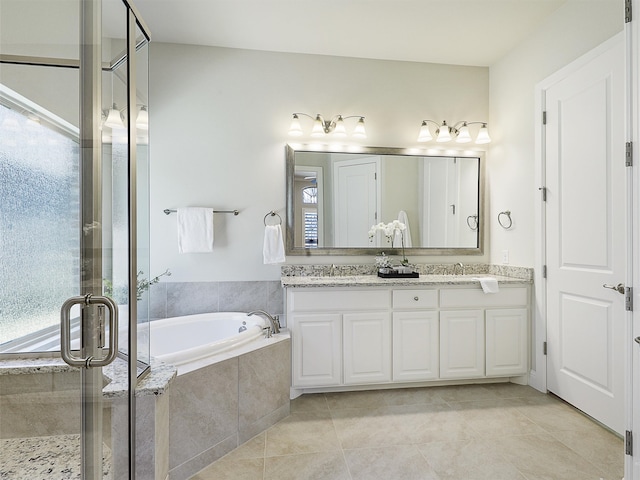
{"x": 56, "y": 420}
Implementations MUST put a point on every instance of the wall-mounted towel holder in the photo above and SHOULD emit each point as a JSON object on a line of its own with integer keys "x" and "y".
{"x": 506, "y": 224}
{"x": 167, "y": 211}
{"x": 272, "y": 214}
{"x": 472, "y": 222}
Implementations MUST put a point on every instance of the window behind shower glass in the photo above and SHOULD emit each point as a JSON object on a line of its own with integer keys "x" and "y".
{"x": 39, "y": 219}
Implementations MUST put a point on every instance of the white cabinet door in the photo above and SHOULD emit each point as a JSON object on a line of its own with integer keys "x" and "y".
{"x": 317, "y": 349}
{"x": 367, "y": 347}
{"x": 506, "y": 332}
{"x": 462, "y": 344}
{"x": 415, "y": 346}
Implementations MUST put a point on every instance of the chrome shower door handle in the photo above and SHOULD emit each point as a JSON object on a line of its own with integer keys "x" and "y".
{"x": 65, "y": 331}
{"x": 620, "y": 288}
{"x": 637, "y": 340}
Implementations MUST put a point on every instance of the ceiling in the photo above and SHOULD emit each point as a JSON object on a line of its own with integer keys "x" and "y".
{"x": 462, "y": 32}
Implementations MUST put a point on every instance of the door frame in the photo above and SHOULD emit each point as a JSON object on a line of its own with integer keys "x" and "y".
{"x": 538, "y": 371}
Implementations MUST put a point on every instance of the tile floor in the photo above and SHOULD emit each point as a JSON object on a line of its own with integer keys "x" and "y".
{"x": 473, "y": 432}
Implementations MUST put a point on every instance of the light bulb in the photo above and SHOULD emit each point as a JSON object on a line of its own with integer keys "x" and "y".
{"x": 142, "y": 122}
{"x": 340, "y": 130}
{"x": 359, "y": 131}
{"x": 463, "y": 135}
{"x": 318, "y": 127}
{"x": 425, "y": 134}
{"x": 483, "y": 135}
{"x": 114, "y": 119}
{"x": 443, "y": 133}
{"x": 295, "y": 130}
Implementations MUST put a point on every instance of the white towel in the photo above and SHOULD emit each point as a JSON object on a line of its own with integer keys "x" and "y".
{"x": 195, "y": 230}
{"x": 273, "y": 250}
{"x": 402, "y": 217}
{"x": 488, "y": 284}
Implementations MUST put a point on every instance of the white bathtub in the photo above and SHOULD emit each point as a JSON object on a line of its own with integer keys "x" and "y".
{"x": 192, "y": 341}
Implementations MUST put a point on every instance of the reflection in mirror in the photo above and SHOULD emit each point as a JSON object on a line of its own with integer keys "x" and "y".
{"x": 335, "y": 197}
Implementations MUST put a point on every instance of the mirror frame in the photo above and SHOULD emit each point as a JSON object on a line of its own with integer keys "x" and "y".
{"x": 413, "y": 152}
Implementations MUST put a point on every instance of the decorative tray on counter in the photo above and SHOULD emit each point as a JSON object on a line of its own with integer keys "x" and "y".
{"x": 393, "y": 273}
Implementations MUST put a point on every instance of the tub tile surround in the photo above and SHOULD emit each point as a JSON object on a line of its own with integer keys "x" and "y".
{"x": 172, "y": 299}
{"x": 215, "y": 408}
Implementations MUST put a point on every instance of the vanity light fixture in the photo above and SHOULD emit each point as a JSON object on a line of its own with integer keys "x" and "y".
{"x": 322, "y": 127}
{"x": 114, "y": 118}
{"x": 460, "y": 131}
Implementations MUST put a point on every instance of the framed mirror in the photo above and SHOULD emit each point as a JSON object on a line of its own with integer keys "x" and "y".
{"x": 335, "y": 196}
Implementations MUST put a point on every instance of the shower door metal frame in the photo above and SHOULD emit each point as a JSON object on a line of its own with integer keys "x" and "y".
{"x": 90, "y": 67}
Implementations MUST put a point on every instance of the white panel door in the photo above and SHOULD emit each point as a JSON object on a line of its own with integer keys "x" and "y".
{"x": 317, "y": 349}
{"x": 586, "y": 237}
{"x": 462, "y": 345}
{"x": 355, "y": 201}
{"x": 367, "y": 347}
{"x": 415, "y": 346}
{"x": 507, "y": 336}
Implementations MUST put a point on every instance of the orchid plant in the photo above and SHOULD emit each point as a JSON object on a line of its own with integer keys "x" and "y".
{"x": 391, "y": 230}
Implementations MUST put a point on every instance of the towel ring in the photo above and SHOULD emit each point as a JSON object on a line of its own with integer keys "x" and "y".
{"x": 500, "y": 221}
{"x": 273, "y": 214}
{"x": 472, "y": 222}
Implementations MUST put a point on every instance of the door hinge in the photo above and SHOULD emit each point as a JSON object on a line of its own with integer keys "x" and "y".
{"x": 628, "y": 156}
{"x": 544, "y": 271}
{"x": 628, "y": 299}
{"x": 544, "y": 348}
{"x": 628, "y": 443}
{"x": 627, "y": 11}
{"x": 544, "y": 117}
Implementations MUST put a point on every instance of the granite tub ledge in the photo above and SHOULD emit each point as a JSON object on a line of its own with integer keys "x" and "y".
{"x": 115, "y": 375}
{"x": 375, "y": 281}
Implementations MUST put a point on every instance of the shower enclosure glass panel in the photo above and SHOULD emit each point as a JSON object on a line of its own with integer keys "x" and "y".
{"x": 66, "y": 231}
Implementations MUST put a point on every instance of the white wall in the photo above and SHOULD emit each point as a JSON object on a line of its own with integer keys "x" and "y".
{"x": 573, "y": 30}
{"x": 219, "y": 121}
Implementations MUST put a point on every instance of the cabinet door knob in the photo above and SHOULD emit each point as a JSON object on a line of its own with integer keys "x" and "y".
{"x": 416, "y": 298}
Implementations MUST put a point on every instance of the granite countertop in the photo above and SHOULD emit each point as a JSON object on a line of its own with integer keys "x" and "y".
{"x": 116, "y": 374}
{"x": 375, "y": 281}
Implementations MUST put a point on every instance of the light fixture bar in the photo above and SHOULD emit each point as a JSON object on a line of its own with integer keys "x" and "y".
{"x": 322, "y": 127}
{"x": 460, "y": 132}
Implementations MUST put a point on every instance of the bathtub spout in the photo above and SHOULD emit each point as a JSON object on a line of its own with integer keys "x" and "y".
{"x": 273, "y": 320}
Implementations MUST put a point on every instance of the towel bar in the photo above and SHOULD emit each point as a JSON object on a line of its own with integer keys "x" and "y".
{"x": 167, "y": 211}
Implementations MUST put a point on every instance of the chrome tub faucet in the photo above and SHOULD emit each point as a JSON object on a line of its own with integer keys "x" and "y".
{"x": 274, "y": 321}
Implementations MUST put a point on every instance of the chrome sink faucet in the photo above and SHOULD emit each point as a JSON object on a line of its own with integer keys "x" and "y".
{"x": 455, "y": 267}
{"x": 274, "y": 321}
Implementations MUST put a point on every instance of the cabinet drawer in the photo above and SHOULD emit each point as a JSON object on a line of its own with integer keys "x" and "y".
{"x": 314, "y": 300}
{"x": 475, "y": 297}
{"x": 415, "y": 299}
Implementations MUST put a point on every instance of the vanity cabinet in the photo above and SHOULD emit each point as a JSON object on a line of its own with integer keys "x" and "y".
{"x": 415, "y": 335}
{"x": 318, "y": 350}
{"x": 462, "y": 344}
{"x": 483, "y": 335}
{"x": 416, "y": 346}
{"x": 344, "y": 336}
{"x": 367, "y": 348}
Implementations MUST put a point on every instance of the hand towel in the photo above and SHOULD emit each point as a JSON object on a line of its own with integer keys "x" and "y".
{"x": 403, "y": 218}
{"x": 195, "y": 230}
{"x": 273, "y": 249}
{"x": 488, "y": 284}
